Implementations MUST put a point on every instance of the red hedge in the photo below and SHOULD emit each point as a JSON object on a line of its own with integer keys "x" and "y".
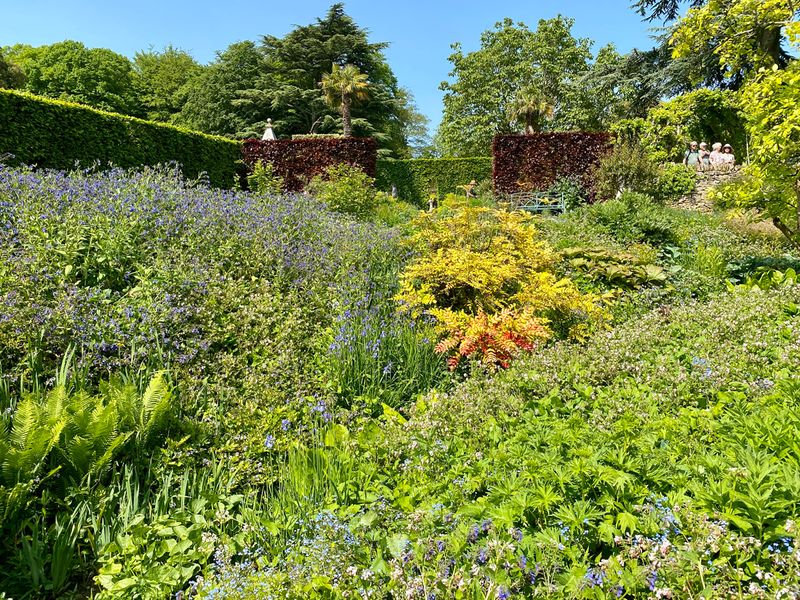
{"x": 297, "y": 161}
{"x": 535, "y": 162}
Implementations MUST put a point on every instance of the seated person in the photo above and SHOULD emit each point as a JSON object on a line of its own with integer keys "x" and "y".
{"x": 716, "y": 156}
{"x": 728, "y": 158}
{"x": 692, "y": 156}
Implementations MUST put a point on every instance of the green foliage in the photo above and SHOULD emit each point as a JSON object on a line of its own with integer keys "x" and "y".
{"x": 609, "y": 466}
{"x": 747, "y": 34}
{"x": 631, "y": 168}
{"x": 72, "y": 72}
{"x": 78, "y": 433}
{"x": 346, "y": 189}
{"x": 209, "y": 105}
{"x": 626, "y": 168}
{"x": 571, "y": 189}
{"x": 391, "y": 212}
{"x": 416, "y": 179}
{"x": 701, "y": 115}
{"x": 674, "y": 182}
{"x": 771, "y": 182}
{"x": 614, "y": 269}
{"x": 381, "y": 358}
{"x": 11, "y": 76}
{"x": 512, "y": 58}
{"x": 151, "y": 555}
{"x": 162, "y": 81}
{"x": 86, "y": 136}
{"x": 264, "y": 180}
{"x": 634, "y": 218}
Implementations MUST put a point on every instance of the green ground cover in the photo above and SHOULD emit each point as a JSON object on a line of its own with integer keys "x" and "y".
{"x": 242, "y": 395}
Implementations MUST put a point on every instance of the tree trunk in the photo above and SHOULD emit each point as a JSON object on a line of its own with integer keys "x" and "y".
{"x": 530, "y": 129}
{"x": 347, "y": 123}
{"x": 770, "y": 43}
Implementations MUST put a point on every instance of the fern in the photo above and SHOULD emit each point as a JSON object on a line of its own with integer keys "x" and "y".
{"x": 154, "y": 405}
{"x": 79, "y": 433}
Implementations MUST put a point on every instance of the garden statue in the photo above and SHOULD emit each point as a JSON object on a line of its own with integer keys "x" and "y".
{"x": 269, "y": 134}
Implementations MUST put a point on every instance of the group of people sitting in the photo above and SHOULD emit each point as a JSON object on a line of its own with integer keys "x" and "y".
{"x": 720, "y": 158}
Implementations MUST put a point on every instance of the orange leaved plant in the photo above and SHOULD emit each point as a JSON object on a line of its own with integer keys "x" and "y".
{"x": 493, "y": 339}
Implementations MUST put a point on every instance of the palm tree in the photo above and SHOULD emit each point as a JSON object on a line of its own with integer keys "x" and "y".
{"x": 341, "y": 86}
{"x": 532, "y": 106}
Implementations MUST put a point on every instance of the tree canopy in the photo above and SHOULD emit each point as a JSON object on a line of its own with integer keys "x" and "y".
{"x": 512, "y": 58}
{"x": 162, "y": 79}
{"x": 773, "y": 179}
{"x": 210, "y": 98}
{"x": 745, "y": 34}
{"x": 70, "y": 71}
{"x": 280, "y": 79}
{"x": 11, "y": 76}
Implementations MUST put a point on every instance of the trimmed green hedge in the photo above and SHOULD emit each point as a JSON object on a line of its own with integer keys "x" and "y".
{"x": 416, "y": 177}
{"x": 54, "y": 134}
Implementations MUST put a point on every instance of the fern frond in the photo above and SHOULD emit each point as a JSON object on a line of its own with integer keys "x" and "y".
{"x": 154, "y": 404}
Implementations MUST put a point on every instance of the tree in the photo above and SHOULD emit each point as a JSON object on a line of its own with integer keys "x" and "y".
{"x": 667, "y": 10}
{"x": 512, "y": 58}
{"x": 161, "y": 80}
{"x": 747, "y": 34}
{"x": 11, "y": 76}
{"x": 773, "y": 179}
{"x": 211, "y": 97}
{"x": 288, "y": 91}
{"x": 744, "y": 34}
{"x": 342, "y": 86}
{"x": 533, "y": 108}
{"x": 71, "y": 71}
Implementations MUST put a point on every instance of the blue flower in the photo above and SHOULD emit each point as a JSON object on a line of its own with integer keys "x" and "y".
{"x": 269, "y": 441}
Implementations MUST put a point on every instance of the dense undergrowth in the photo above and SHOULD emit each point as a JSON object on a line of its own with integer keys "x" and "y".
{"x": 245, "y": 395}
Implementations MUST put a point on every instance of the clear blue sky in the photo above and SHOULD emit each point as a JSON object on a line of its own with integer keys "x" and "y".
{"x": 419, "y": 31}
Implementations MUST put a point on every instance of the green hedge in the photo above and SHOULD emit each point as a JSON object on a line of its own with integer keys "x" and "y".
{"x": 416, "y": 177}
{"x": 55, "y": 134}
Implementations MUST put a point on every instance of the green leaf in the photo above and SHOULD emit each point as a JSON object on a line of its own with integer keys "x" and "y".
{"x": 397, "y": 545}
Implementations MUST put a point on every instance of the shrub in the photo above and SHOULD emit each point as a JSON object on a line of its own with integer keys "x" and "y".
{"x": 391, "y": 212}
{"x": 536, "y": 162}
{"x": 416, "y": 178}
{"x": 346, "y": 189}
{"x": 572, "y": 191}
{"x": 55, "y": 134}
{"x": 673, "y": 182}
{"x": 297, "y": 162}
{"x": 264, "y": 180}
{"x": 626, "y": 168}
{"x": 634, "y": 218}
{"x": 493, "y": 340}
{"x": 475, "y": 263}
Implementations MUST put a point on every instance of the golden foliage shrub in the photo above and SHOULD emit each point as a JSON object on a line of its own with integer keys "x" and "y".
{"x": 487, "y": 279}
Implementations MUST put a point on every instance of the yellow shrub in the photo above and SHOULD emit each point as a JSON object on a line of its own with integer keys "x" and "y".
{"x": 472, "y": 259}
{"x": 487, "y": 279}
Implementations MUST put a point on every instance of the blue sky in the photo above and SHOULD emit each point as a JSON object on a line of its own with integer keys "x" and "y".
{"x": 419, "y": 31}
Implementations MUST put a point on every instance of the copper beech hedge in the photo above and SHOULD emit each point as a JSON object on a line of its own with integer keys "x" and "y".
{"x": 298, "y": 161}
{"x": 534, "y": 162}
